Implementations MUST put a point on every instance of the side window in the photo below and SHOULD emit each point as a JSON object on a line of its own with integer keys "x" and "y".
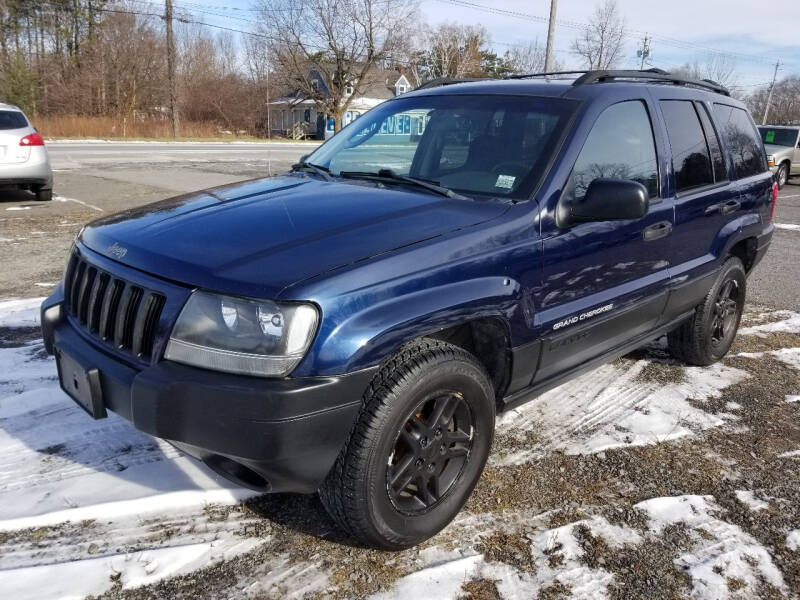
{"x": 717, "y": 158}
{"x": 742, "y": 141}
{"x": 621, "y": 146}
{"x": 691, "y": 160}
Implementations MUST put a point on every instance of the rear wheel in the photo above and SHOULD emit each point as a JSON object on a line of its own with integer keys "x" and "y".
{"x": 708, "y": 335}
{"x": 43, "y": 194}
{"x": 782, "y": 176}
{"x": 417, "y": 450}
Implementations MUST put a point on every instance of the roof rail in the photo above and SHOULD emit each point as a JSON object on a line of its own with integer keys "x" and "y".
{"x": 439, "y": 81}
{"x": 650, "y": 75}
{"x": 589, "y": 76}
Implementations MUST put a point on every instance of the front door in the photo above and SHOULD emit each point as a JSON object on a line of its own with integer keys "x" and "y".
{"x": 604, "y": 283}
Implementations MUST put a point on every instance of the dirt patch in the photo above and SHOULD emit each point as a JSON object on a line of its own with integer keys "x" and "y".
{"x": 13, "y": 337}
{"x": 555, "y": 591}
{"x": 480, "y": 589}
{"x": 662, "y": 372}
{"x": 510, "y": 548}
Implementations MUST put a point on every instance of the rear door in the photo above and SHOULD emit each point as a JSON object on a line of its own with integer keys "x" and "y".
{"x": 604, "y": 283}
{"x": 704, "y": 197}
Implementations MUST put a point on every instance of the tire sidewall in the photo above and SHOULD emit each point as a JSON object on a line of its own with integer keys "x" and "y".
{"x": 456, "y": 375}
{"x": 782, "y": 175}
{"x": 733, "y": 269}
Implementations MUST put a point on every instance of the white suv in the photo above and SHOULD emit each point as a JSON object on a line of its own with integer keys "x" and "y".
{"x": 23, "y": 157}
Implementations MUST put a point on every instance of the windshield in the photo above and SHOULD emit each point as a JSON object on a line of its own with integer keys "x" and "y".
{"x": 12, "y": 119}
{"x": 481, "y": 145}
{"x": 778, "y": 137}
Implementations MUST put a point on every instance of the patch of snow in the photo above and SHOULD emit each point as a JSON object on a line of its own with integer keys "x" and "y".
{"x": 46, "y": 284}
{"x": 788, "y": 226}
{"x": 721, "y": 549}
{"x": 789, "y": 323}
{"x": 749, "y": 498}
{"x": 733, "y": 406}
{"x": 609, "y": 408}
{"x": 790, "y": 454}
{"x": 793, "y": 539}
{"x": 18, "y": 208}
{"x": 793, "y": 398}
{"x": 791, "y": 356}
{"x": 438, "y": 581}
{"x": 80, "y": 578}
{"x": 20, "y": 313}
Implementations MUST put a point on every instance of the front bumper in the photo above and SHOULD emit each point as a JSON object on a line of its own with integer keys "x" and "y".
{"x": 273, "y": 435}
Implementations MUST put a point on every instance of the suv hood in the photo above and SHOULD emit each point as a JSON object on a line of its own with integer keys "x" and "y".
{"x": 256, "y": 237}
{"x": 773, "y": 150}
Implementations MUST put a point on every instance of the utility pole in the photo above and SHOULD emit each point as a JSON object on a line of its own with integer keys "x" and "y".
{"x": 771, "y": 89}
{"x": 173, "y": 95}
{"x": 551, "y": 31}
{"x": 644, "y": 51}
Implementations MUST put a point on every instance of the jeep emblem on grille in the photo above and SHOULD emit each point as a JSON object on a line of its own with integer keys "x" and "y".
{"x": 117, "y": 250}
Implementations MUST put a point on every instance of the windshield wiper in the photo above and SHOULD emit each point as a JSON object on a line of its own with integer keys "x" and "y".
{"x": 390, "y": 175}
{"x": 323, "y": 172}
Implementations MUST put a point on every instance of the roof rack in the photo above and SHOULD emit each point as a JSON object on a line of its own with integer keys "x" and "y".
{"x": 648, "y": 74}
{"x": 439, "y": 81}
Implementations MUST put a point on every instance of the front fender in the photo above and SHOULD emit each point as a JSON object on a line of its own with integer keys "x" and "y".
{"x": 368, "y": 336}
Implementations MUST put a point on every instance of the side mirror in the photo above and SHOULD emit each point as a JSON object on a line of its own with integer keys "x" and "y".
{"x": 304, "y": 158}
{"x": 611, "y": 200}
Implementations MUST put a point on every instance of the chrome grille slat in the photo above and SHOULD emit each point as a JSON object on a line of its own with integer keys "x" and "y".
{"x": 114, "y": 311}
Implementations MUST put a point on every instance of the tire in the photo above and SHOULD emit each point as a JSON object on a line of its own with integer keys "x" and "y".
{"x": 396, "y": 437}
{"x": 782, "y": 175}
{"x": 708, "y": 335}
{"x": 44, "y": 194}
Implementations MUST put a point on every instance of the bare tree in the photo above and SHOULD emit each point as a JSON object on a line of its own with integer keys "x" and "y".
{"x": 784, "y": 109}
{"x": 450, "y": 50}
{"x": 717, "y": 67}
{"x": 529, "y": 58}
{"x": 600, "y": 44}
{"x": 329, "y": 50}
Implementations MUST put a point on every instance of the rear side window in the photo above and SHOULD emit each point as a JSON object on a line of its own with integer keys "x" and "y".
{"x": 717, "y": 158}
{"x": 742, "y": 140}
{"x": 12, "y": 119}
{"x": 691, "y": 160}
{"x": 620, "y": 146}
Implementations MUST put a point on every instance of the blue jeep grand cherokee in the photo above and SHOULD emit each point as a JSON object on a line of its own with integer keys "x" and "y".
{"x": 353, "y": 326}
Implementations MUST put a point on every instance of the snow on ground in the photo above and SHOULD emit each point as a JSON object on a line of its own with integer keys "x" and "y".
{"x": 96, "y": 502}
{"x": 787, "y": 321}
{"x": 20, "y": 313}
{"x": 58, "y": 466}
{"x": 787, "y": 226}
{"x": 609, "y": 408}
{"x": 721, "y": 551}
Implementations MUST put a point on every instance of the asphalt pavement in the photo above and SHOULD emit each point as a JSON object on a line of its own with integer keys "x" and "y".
{"x": 96, "y": 178}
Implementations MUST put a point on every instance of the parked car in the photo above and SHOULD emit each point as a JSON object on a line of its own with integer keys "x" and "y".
{"x": 354, "y": 326}
{"x": 783, "y": 151}
{"x": 23, "y": 156}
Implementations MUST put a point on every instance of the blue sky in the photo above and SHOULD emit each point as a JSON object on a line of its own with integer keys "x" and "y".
{"x": 750, "y": 32}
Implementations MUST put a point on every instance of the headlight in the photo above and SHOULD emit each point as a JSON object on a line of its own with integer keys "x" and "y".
{"x": 238, "y": 335}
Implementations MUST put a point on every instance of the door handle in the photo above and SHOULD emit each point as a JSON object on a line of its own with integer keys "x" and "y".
{"x": 724, "y": 208}
{"x": 657, "y": 231}
{"x": 729, "y": 207}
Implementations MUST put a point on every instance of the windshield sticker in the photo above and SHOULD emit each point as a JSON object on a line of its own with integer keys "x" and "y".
{"x": 770, "y": 137}
{"x": 505, "y": 181}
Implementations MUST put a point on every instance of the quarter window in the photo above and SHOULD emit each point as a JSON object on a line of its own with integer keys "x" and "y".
{"x": 717, "y": 158}
{"x": 691, "y": 160}
{"x": 742, "y": 140}
{"x": 619, "y": 146}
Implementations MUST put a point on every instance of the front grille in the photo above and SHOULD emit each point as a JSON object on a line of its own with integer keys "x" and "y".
{"x": 116, "y": 312}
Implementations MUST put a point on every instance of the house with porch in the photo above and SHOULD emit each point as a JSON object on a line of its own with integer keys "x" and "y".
{"x": 296, "y": 116}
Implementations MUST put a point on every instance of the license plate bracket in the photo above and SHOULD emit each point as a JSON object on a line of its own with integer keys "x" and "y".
{"x": 81, "y": 383}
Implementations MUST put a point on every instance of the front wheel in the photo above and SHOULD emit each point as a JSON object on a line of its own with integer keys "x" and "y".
{"x": 782, "y": 176}
{"x": 417, "y": 450}
{"x": 709, "y": 334}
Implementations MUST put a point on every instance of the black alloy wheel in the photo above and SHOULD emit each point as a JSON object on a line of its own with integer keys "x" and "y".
{"x": 430, "y": 452}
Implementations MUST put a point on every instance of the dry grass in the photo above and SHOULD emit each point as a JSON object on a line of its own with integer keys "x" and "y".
{"x": 80, "y": 126}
